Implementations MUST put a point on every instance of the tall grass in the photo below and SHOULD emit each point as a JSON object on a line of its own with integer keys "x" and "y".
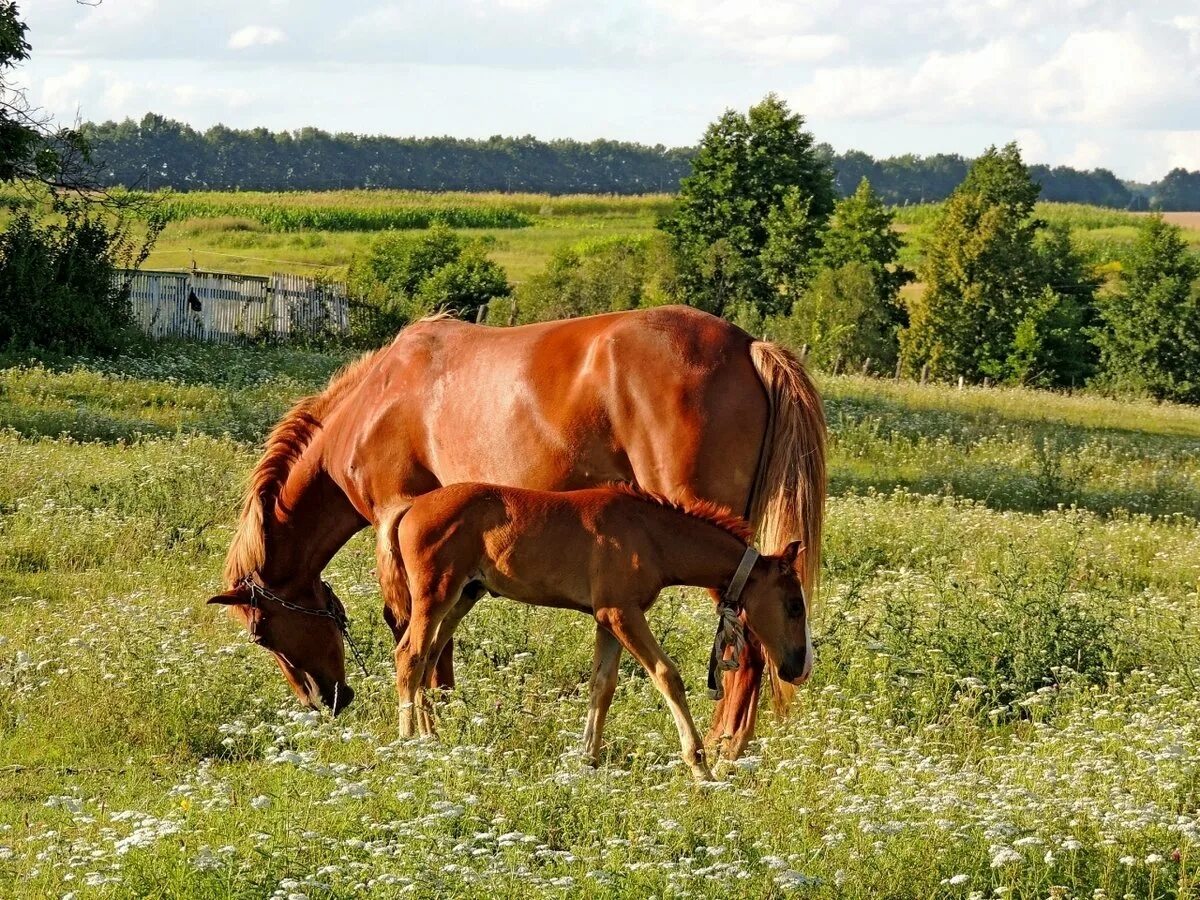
{"x": 1005, "y": 698}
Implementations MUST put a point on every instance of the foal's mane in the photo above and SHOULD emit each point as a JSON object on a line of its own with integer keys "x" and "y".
{"x": 286, "y": 442}
{"x": 704, "y": 510}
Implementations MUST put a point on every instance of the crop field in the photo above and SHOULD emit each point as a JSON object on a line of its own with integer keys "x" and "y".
{"x": 1004, "y": 700}
{"x": 257, "y": 233}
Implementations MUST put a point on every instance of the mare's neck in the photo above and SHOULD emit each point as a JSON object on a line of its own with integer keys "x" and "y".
{"x": 311, "y": 521}
{"x": 692, "y": 551}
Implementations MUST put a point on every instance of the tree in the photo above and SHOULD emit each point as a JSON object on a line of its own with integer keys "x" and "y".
{"x": 31, "y": 147}
{"x": 747, "y": 167}
{"x": 985, "y": 278}
{"x": 1179, "y": 189}
{"x": 861, "y": 231}
{"x": 858, "y": 252}
{"x": 1150, "y": 333}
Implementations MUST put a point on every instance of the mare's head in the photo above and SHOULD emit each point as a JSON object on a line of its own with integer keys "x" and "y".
{"x": 776, "y": 612}
{"x": 303, "y": 631}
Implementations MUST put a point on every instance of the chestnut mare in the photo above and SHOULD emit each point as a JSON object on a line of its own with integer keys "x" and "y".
{"x": 678, "y": 401}
{"x": 607, "y": 552}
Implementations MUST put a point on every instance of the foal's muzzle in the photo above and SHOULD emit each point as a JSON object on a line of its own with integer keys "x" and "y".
{"x": 796, "y": 668}
{"x": 339, "y": 697}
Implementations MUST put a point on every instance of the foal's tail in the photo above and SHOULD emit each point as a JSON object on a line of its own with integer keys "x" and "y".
{"x": 788, "y": 502}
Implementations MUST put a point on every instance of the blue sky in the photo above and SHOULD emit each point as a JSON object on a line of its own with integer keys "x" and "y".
{"x": 1080, "y": 82}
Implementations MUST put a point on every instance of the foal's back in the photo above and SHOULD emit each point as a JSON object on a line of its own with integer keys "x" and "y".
{"x": 539, "y": 547}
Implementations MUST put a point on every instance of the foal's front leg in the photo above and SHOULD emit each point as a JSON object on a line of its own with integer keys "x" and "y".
{"x": 628, "y": 623}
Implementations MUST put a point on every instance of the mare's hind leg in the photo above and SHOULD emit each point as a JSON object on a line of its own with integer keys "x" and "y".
{"x": 629, "y": 625}
{"x": 606, "y": 658}
{"x": 441, "y": 673}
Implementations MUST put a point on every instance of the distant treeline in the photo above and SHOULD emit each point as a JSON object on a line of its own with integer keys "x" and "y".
{"x": 158, "y": 152}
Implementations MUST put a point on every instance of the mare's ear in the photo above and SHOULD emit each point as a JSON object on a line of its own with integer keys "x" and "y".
{"x": 229, "y": 598}
{"x": 791, "y": 553}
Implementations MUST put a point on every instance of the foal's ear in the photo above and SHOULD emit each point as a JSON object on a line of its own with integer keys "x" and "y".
{"x": 791, "y": 553}
{"x": 229, "y": 598}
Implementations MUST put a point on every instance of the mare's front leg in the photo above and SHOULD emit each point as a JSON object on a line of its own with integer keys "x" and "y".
{"x": 628, "y": 623}
{"x": 734, "y": 717}
{"x": 606, "y": 658}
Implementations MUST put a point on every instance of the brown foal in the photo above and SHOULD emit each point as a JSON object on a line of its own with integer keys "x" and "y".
{"x": 603, "y": 551}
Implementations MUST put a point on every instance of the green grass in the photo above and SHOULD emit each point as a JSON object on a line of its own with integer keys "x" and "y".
{"x": 1005, "y": 693}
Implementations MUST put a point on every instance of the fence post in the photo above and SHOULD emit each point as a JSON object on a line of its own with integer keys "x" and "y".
{"x": 481, "y": 313}
{"x": 925, "y": 373}
{"x": 899, "y": 363}
{"x": 512, "y": 316}
{"x": 960, "y": 382}
{"x": 867, "y": 366}
{"x": 837, "y": 364}
{"x": 804, "y": 354}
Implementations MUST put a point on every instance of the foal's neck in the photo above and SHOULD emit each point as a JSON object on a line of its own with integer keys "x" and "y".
{"x": 693, "y": 551}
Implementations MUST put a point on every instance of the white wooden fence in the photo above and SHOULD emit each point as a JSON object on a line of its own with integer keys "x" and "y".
{"x": 225, "y": 308}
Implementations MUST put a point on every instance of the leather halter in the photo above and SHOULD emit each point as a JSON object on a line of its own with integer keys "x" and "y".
{"x": 337, "y": 612}
{"x": 730, "y": 631}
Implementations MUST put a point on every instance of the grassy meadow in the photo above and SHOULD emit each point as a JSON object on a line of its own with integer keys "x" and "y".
{"x": 254, "y": 233}
{"x": 1005, "y": 700}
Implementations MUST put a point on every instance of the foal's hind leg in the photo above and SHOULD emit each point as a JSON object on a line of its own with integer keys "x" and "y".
{"x": 629, "y": 625}
{"x": 433, "y": 601}
{"x": 606, "y": 658}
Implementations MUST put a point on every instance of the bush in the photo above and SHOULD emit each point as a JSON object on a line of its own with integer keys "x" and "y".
{"x": 407, "y": 277}
{"x": 59, "y": 286}
{"x": 596, "y": 278}
{"x": 840, "y": 316}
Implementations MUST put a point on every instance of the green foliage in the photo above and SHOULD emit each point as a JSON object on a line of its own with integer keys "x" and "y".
{"x": 594, "y": 278}
{"x": 464, "y": 284}
{"x": 861, "y": 230}
{"x": 986, "y": 276}
{"x": 59, "y": 286}
{"x": 851, "y": 309}
{"x": 410, "y": 276}
{"x": 756, "y": 179}
{"x": 841, "y": 318}
{"x": 1150, "y": 333}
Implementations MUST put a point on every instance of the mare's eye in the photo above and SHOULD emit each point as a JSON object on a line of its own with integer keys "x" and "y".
{"x": 795, "y": 608}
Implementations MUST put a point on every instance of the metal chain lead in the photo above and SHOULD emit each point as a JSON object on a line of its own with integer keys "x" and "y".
{"x": 338, "y": 616}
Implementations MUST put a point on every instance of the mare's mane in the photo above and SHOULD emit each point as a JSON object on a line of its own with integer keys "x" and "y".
{"x": 286, "y": 442}
{"x": 704, "y": 510}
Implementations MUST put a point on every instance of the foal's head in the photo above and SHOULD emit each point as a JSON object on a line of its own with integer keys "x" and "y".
{"x": 777, "y": 613}
{"x": 304, "y": 633}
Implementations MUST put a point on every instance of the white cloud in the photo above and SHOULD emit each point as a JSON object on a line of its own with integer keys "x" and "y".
{"x": 255, "y": 36}
{"x": 1033, "y": 145}
{"x": 64, "y": 93}
{"x": 1076, "y": 80}
{"x": 1087, "y": 154}
{"x": 1181, "y": 149}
